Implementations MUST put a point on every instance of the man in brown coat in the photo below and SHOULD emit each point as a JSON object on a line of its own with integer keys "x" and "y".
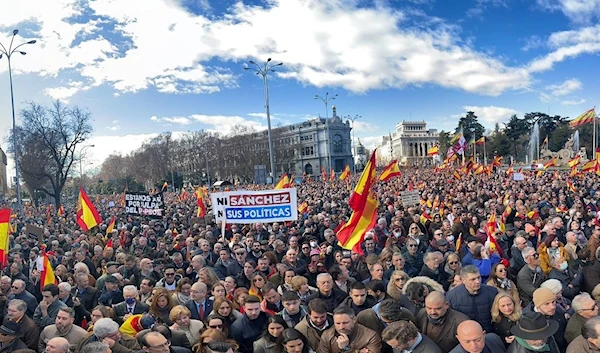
{"x": 380, "y": 315}
{"x": 439, "y": 322}
{"x": 29, "y": 333}
{"x": 589, "y": 340}
{"x": 348, "y": 336}
{"x": 315, "y": 323}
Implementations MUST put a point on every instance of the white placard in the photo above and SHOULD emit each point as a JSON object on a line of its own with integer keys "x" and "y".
{"x": 243, "y": 206}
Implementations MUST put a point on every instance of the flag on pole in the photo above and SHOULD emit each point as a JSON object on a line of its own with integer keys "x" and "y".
{"x": 332, "y": 176}
{"x": 61, "y": 210}
{"x": 200, "y": 202}
{"x": 284, "y": 182}
{"x": 47, "y": 274}
{"x": 303, "y": 208}
{"x": 575, "y": 161}
{"x": 165, "y": 186}
{"x": 472, "y": 140}
{"x": 433, "y": 151}
{"x": 586, "y": 117}
{"x": 323, "y": 174}
{"x": 346, "y": 173}
{"x": 111, "y": 225}
{"x": 87, "y": 215}
{"x": 4, "y": 238}
{"x": 390, "y": 171}
{"x": 550, "y": 163}
{"x": 364, "y": 204}
{"x": 481, "y": 141}
{"x": 457, "y": 135}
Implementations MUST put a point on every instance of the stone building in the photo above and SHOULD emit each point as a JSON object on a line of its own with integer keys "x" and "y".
{"x": 408, "y": 144}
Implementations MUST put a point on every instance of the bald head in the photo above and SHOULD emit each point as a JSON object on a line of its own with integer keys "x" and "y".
{"x": 57, "y": 345}
{"x": 436, "y": 306}
{"x": 435, "y": 297}
{"x": 471, "y": 336}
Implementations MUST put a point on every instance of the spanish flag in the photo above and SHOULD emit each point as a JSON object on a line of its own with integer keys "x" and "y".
{"x": 61, "y": 210}
{"x": 390, "y": 171}
{"x": 364, "y": 205}
{"x": 575, "y": 161}
{"x": 111, "y": 226}
{"x": 433, "y": 151}
{"x": 4, "y": 238}
{"x": 284, "y": 182}
{"x": 200, "y": 202}
{"x": 572, "y": 187}
{"x": 47, "y": 274}
{"x": 303, "y": 208}
{"x": 346, "y": 173}
{"x": 497, "y": 161}
{"x": 332, "y": 175}
{"x": 510, "y": 170}
{"x": 456, "y": 175}
{"x": 550, "y": 163}
{"x": 481, "y": 141}
{"x": 589, "y": 165}
{"x": 323, "y": 174}
{"x": 87, "y": 216}
{"x": 586, "y": 117}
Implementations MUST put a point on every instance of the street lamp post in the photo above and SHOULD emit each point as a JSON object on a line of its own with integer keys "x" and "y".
{"x": 353, "y": 119}
{"x": 80, "y": 165}
{"x": 8, "y": 53}
{"x": 326, "y": 100}
{"x": 264, "y": 70}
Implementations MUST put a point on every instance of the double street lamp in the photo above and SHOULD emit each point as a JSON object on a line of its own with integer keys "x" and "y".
{"x": 8, "y": 53}
{"x": 352, "y": 119}
{"x": 264, "y": 70}
{"x": 326, "y": 100}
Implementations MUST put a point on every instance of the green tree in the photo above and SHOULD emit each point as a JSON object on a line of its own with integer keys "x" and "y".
{"x": 444, "y": 142}
{"x": 517, "y": 132}
{"x": 470, "y": 126}
{"x": 499, "y": 142}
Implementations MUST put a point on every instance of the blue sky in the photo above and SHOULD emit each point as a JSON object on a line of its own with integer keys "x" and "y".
{"x": 147, "y": 66}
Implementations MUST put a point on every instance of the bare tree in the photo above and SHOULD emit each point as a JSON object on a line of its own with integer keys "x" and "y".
{"x": 54, "y": 132}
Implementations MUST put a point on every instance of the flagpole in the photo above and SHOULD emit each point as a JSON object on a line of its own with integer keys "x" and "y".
{"x": 484, "y": 153}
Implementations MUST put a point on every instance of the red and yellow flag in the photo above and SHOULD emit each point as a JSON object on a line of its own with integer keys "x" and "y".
{"x": 111, "y": 225}
{"x": 61, "y": 210}
{"x": 283, "y": 183}
{"x": 550, "y": 163}
{"x": 390, "y": 171}
{"x": 87, "y": 215}
{"x": 346, "y": 173}
{"x": 323, "y": 174}
{"x": 200, "y": 202}
{"x": 575, "y": 161}
{"x": 303, "y": 208}
{"x": 497, "y": 161}
{"x": 364, "y": 205}
{"x": 481, "y": 141}
{"x": 586, "y": 117}
{"x": 433, "y": 151}
{"x": 165, "y": 186}
{"x": 47, "y": 274}
{"x": 589, "y": 165}
{"x": 332, "y": 175}
{"x": 572, "y": 187}
{"x": 4, "y": 238}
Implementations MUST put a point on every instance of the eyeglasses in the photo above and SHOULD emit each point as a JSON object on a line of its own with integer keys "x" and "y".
{"x": 258, "y": 280}
{"x": 169, "y": 274}
{"x": 452, "y": 262}
{"x": 437, "y": 233}
{"x": 305, "y": 248}
{"x": 535, "y": 256}
{"x": 591, "y": 309}
{"x": 216, "y": 326}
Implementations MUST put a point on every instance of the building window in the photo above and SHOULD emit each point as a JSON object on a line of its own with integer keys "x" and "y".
{"x": 308, "y": 151}
{"x": 337, "y": 144}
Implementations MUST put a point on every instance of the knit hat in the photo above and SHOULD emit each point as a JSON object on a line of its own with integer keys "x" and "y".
{"x": 529, "y": 228}
{"x": 541, "y": 296}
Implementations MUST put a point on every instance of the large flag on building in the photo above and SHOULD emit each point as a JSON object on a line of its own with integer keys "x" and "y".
{"x": 87, "y": 215}
{"x": 390, "y": 171}
{"x": 586, "y": 117}
{"x": 47, "y": 274}
{"x": 4, "y": 238}
{"x": 364, "y": 205}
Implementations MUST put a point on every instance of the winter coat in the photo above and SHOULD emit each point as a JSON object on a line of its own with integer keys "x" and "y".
{"x": 477, "y": 307}
{"x": 545, "y": 262}
{"x": 444, "y": 334}
{"x": 528, "y": 281}
{"x": 493, "y": 344}
{"x": 360, "y": 337}
{"x": 313, "y": 336}
{"x": 567, "y": 277}
{"x": 516, "y": 347}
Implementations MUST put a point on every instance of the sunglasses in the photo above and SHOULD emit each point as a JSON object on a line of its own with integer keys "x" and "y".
{"x": 169, "y": 274}
{"x": 412, "y": 245}
{"x": 536, "y": 255}
{"x": 452, "y": 262}
{"x": 14, "y": 287}
{"x": 501, "y": 270}
{"x": 240, "y": 253}
{"x": 216, "y": 326}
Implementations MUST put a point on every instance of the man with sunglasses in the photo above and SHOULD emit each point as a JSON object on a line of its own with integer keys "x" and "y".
{"x": 585, "y": 308}
{"x": 237, "y": 265}
{"x": 531, "y": 276}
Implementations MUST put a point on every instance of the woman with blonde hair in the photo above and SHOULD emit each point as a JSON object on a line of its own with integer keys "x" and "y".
{"x": 182, "y": 321}
{"x": 505, "y": 314}
{"x": 182, "y": 292}
{"x": 396, "y": 284}
{"x": 300, "y": 285}
{"x": 209, "y": 277}
{"x": 161, "y": 306}
{"x": 500, "y": 280}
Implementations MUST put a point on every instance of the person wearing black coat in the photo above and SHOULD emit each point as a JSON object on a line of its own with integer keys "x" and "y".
{"x": 570, "y": 280}
{"x": 249, "y": 327}
{"x": 541, "y": 298}
{"x": 331, "y": 296}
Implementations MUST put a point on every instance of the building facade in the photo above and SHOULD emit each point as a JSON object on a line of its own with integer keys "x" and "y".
{"x": 408, "y": 144}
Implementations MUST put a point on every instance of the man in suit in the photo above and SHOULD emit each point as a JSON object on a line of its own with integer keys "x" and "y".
{"x": 199, "y": 305}
{"x": 131, "y": 305}
{"x": 404, "y": 336}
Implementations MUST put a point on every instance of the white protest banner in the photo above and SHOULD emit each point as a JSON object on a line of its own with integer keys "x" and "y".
{"x": 518, "y": 176}
{"x": 243, "y": 206}
{"x": 143, "y": 204}
{"x": 410, "y": 198}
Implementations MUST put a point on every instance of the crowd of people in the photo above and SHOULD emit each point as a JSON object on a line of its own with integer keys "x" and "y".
{"x": 428, "y": 277}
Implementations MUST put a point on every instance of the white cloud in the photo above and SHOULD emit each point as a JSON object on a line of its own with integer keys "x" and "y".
{"x": 578, "y": 11}
{"x": 490, "y": 115}
{"x": 363, "y": 126}
{"x": 340, "y": 45}
{"x": 565, "y": 88}
{"x": 115, "y": 126}
{"x": 573, "y": 102}
{"x": 64, "y": 93}
{"x": 178, "y": 120}
{"x": 104, "y": 146}
{"x": 224, "y": 124}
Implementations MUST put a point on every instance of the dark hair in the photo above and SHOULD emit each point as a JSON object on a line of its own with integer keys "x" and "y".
{"x": 376, "y": 285}
{"x": 169, "y": 267}
{"x": 252, "y": 299}
{"x": 291, "y": 334}
{"x": 358, "y": 285}
{"x": 335, "y": 271}
{"x": 344, "y": 310}
{"x": 267, "y": 287}
{"x": 289, "y": 296}
{"x": 151, "y": 281}
{"x": 163, "y": 330}
{"x": 415, "y": 291}
{"x": 52, "y": 288}
{"x": 274, "y": 319}
{"x": 219, "y": 346}
{"x": 392, "y": 310}
{"x": 317, "y": 305}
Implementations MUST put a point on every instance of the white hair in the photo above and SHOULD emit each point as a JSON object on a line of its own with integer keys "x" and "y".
{"x": 66, "y": 286}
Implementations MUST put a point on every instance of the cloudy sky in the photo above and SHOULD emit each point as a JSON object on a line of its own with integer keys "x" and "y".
{"x": 146, "y": 66}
